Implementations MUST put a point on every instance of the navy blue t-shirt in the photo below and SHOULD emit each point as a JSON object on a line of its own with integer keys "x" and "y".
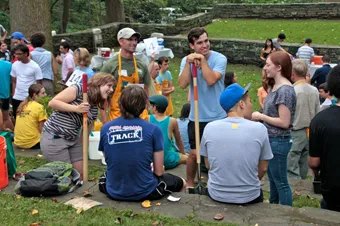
{"x": 128, "y": 146}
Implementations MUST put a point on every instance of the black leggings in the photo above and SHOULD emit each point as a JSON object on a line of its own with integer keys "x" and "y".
{"x": 15, "y": 105}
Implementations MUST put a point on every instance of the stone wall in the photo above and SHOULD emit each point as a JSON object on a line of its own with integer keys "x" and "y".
{"x": 184, "y": 24}
{"x": 244, "y": 51}
{"x": 109, "y": 31}
{"x": 278, "y": 11}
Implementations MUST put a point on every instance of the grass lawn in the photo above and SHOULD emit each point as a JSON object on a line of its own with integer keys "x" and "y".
{"x": 322, "y": 32}
{"x": 244, "y": 73}
{"x": 18, "y": 211}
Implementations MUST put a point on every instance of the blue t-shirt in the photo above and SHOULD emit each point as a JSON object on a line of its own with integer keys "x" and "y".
{"x": 183, "y": 130}
{"x": 128, "y": 146}
{"x": 5, "y": 78}
{"x": 166, "y": 76}
{"x": 87, "y": 71}
{"x": 209, "y": 107}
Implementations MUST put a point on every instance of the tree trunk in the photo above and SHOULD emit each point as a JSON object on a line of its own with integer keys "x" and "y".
{"x": 114, "y": 11}
{"x": 66, "y": 15}
{"x": 30, "y": 17}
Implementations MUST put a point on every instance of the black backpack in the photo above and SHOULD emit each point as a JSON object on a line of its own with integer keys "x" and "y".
{"x": 51, "y": 179}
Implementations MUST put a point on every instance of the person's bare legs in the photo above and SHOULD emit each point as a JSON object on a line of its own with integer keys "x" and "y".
{"x": 184, "y": 186}
{"x": 183, "y": 158}
{"x": 79, "y": 167}
{"x": 7, "y": 122}
{"x": 191, "y": 168}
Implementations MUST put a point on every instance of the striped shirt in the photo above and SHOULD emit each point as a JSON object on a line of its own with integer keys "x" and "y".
{"x": 305, "y": 53}
{"x": 67, "y": 125}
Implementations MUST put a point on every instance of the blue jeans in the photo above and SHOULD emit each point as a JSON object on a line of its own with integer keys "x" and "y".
{"x": 280, "y": 191}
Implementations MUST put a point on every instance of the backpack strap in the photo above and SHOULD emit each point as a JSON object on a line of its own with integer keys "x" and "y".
{"x": 75, "y": 180}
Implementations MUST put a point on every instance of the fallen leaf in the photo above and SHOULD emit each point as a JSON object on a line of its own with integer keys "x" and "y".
{"x": 297, "y": 193}
{"x": 155, "y": 223}
{"x": 33, "y": 212}
{"x": 158, "y": 204}
{"x": 202, "y": 177}
{"x": 35, "y": 224}
{"x": 21, "y": 161}
{"x": 218, "y": 217}
{"x": 92, "y": 179}
{"x": 79, "y": 211}
{"x": 39, "y": 155}
{"x": 119, "y": 221}
{"x": 256, "y": 224}
{"x": 54, "y": 200}
{"x": 146, "y": 204}
{"x": 133, "y": 214}
{"x": 266, "y": 201}
{"x": 86, "y": 193}
{"x": 18, "y": 196}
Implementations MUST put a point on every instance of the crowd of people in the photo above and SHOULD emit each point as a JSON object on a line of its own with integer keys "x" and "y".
{"x": 140, "y": 139}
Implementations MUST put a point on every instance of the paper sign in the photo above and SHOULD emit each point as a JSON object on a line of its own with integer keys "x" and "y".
{"x": 173, "y": 199}
{"x": 141, "y": 85}
{"x": 151, "y": 46}
{"x": 75, "y": 78}
{"x": 83, "y": 203}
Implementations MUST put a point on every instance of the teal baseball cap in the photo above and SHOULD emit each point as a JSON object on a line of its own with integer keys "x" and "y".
{"x": 159, "y": 101}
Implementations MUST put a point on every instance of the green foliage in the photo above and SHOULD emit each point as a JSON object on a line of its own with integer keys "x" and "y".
{"x": 4, "y": 18}
{"x": 144, "y": 11}
{"x": 44, "y": 101}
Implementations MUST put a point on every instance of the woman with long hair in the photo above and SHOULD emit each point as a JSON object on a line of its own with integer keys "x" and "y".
{"x": 30, "y": 119}
{"x": 61, "y": 139}
{"x": 229, "y": 78}
{"x": 82, "y": 61}
{"x": 266, "y": 51}
{"x": 278, "y": 116}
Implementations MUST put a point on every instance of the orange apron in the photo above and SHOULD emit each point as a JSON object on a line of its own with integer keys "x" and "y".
{"x": 123, "y": 81}
{"x": 170, "y": 109}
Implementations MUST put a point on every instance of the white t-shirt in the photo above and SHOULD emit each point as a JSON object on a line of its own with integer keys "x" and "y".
{"x": 326, "y": 104}
{"x": 26, "y": 75}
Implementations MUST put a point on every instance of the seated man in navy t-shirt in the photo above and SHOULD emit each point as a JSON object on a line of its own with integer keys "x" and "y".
{"x": 130, "y": 144}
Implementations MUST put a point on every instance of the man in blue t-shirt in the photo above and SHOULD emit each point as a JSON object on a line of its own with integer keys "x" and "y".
{"x": 211, "y": 68}
{"x": 133, "y": 150}
{"x": 5, "y": 82}
{"x": 236, "y": 150}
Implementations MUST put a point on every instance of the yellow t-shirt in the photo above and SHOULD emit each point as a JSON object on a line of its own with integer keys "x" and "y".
{"x": 26, "y": 131}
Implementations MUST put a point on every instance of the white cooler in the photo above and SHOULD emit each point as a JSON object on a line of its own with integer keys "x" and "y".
{"x": 94, "y": 154}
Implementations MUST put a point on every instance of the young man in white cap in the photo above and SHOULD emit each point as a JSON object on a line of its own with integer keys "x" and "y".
{"x": 236, "y": 151}
{"x": 127, "y": 69}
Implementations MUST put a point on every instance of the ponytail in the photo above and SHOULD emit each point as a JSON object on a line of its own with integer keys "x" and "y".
{"x": 34, "y": 89}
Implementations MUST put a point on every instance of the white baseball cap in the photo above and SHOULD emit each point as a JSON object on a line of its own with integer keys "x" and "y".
{"x": 127, "y": 33}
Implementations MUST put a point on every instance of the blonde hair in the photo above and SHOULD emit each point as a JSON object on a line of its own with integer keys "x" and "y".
{"x": 300, "y": 67}
{"x": 94, "y": 84}
{"x": 33, "y": 89}
{"x": 82, "y": 56}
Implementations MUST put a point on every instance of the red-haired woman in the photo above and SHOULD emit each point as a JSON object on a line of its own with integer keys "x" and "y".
{"x": 278, "y": 116}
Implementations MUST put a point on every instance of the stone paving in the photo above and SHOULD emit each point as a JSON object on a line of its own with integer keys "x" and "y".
{"x": 202, "y": 207}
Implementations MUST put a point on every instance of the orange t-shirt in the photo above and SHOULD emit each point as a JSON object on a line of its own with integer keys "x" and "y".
{"x": 262, "y": 93}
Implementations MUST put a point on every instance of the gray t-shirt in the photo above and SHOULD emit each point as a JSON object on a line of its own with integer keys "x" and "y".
{"x": 234, "y": 147}
{"x": 276, "y": 44}
{"x": 285, "y": 95}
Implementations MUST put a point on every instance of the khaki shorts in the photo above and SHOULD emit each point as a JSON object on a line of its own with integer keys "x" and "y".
{"x": 58, "y": 149}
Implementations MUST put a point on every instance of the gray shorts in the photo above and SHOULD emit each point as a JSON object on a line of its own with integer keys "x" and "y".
{"x": 59, "y": 149}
